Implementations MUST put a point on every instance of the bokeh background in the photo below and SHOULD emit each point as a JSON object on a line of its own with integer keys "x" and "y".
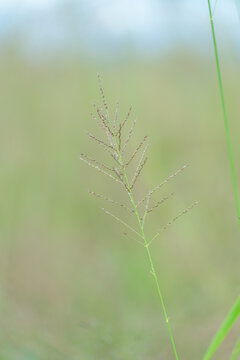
{"x": 71, "y": 285}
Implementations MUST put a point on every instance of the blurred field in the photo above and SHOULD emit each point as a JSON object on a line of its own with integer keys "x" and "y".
{"x": 72, "y": 287}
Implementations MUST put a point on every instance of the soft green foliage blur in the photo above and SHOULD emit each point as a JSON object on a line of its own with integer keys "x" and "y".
{"x": 71, "y": 285}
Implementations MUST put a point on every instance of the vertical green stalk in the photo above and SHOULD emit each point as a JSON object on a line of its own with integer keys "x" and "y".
{"x": 235, "y": 310}
{"x": 146, "y": 243}
{"x": 226, "y": 124}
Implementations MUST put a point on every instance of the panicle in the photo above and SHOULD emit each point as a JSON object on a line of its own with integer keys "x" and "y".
{"x": 115, "y": 146}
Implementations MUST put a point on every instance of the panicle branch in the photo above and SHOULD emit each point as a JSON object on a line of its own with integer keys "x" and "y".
{"x": 138, "y": 172}
{"x": 122, "y": 222}
{"x": 163, "y": 183}
{"x": 129, "y": 136}
{"x": 126, "y": 119}
{"x": 105, "y": 126}
{"x": 154, "y": 207}
{"x": 146, "y": 210}
{"x": 100, "y": 124}
{"x": 174, "y": 219}
{"x": 110, "y": 200}
{"x": 119, "y": 132}
{"x": 108, "y": 148}
{"x": 102, "y": 93}
{"x": 115, "y": 118}
{"x": 100, "y": 142}
{"x": 132, "y": 238}
{"x": 96, "y": 162}
{"x": 136, "y": 151}
{"x": 119, "y": 175}
{"x": 140, "y": 166}
{"x": 99, "y": 169}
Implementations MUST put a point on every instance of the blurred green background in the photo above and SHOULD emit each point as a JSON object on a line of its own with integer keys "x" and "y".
{"x": 71, "y": 285}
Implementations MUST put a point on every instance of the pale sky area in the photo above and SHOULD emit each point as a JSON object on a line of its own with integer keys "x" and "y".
{"x": 31, "y": 3}
{"x": 144, "y": 24}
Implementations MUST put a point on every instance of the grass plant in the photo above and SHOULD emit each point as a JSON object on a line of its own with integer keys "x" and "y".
{"x": 115, "y": 145}
{"x": 235, "y": 310}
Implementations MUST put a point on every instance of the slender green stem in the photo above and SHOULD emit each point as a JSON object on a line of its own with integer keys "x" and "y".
{"x": 226, "y": 124}
{"x": 235, "y": 310}
{"x": 148, "y": 252}
{"x": 223, "y": 330}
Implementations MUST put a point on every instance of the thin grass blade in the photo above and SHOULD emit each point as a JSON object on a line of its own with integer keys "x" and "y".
{"x": 225, "y": 117}
{"x": 236, "y": 351}
{"x": 223, "y": 330}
